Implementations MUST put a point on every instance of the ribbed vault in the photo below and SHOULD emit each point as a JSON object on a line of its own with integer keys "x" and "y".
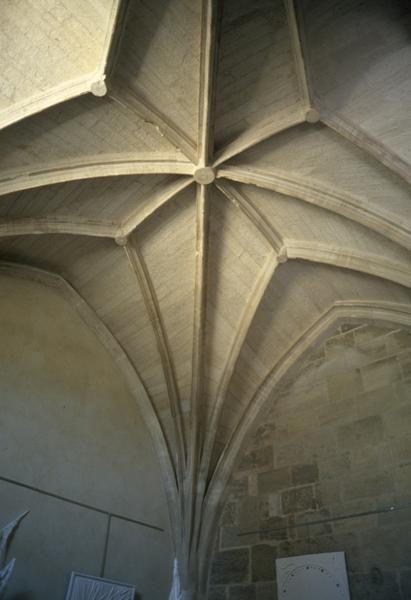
{"x": 215, "y": 182}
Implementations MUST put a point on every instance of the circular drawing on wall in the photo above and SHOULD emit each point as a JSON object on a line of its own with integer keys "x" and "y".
{"x": 312, "y": 577}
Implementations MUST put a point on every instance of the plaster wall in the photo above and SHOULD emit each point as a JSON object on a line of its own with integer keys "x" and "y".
{"x": 73, "y": 449}
{"x": 337, "y": 442}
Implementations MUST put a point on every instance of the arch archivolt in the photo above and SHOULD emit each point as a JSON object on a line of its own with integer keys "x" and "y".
{"x": 244, "y": 264}
{"x": 285, "y": 248}
{"x": 107, "y": 339}
{"x": 381, "y": 312}
{"x": 338, "y": 256}
{"x": 332, "y": 199}
{"x": 92, "y": 167}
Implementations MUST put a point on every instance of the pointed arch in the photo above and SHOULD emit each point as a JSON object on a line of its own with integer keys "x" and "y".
{"x": 107, "y": 339}
{"x": 390, "y": 313}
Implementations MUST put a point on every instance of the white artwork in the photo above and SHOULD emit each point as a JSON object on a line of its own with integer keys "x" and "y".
{"x": 5, "y": 537}
{"x": 86, "y": 587}
{"x": 5, "y": 575}
{"x": 313, "y": 577}
{"x": 175, "y": 593}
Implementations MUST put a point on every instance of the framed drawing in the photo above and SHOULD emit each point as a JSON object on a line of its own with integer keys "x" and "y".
{"x": 312, "y": 577}
{"x": 87, "y": 587}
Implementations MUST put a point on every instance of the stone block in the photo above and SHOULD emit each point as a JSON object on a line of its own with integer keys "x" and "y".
{"x": 367, "y": 484}
{"x": 217, "y": 592}
{"x": 405, "y": 584}
{"x": 395, "y": 518}
{"x": 273, "y": 528}
{"x": 405, "y": 363}
{"x": 294, "y": 548}
{"x": 375, "y": 402}
{"x": 248, "y": 509}
{"x": 339, "y": 343}
{"x": 274, "y": 480}
{"x": 230, "y": 566}
{"x": 252, "y": 484}
{"x": 337, "y": 412}
{"x": 381, "y": 372}
{"x": 264, "y": 434}
{"x": 257, "y": 459}
{"x": 269, "y": 506}
{"x": 289, "y": 452}
{"x": 263, "y": 562}
{"x": 298, "y": 499}
{"x": 397, "y": 421}
{"x": 398, "y": 340}
{"x": 367, "y": 333}
{"x": 329, "y": 491}
{"x": 296, "y": 531}
{"x": 367, "y": 587}
{"x": 349, "y": 327}
{"x": 230, "y": 513}
{"x": 403, "y": 390}
{"x": 264, "y": 507}
{"x": 373, "y": 349}
{"x": 352, "y": 507}
{"x": 344, "y": 385}
{"x": 238, "y": 487}
{"x": 266, "y": 591}
{"x": 402, "y": 478}
{"x": 313, "y": 524}
{"x": 366, "y": 431}
{"x": 349, "y": 543}
{"x": 355, "y": 524}
{"x": 230, "y": 537}
{"x": 392, "y": 499}
{"x": 319, "y": 446}
{"x": 334, "y": 466}
{"x": 301, "y": 474}
{"x": 242, "y": 592}
{"x": 341, "y": 542}
{"x": 372, "y": 458}
{"x": 386, "y": 548}
{"x": 319, "y": 529}
{"x": 302, "y": 397}
{"x": 316, "y": 353}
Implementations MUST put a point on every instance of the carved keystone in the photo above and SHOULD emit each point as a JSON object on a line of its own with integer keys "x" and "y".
{"x": 99, "y": 88}
{"x": 204, "y": 176}
{"x": 312, "y": 115}
{"x": 121, "y": 240}
{"x": 282, "y": 256}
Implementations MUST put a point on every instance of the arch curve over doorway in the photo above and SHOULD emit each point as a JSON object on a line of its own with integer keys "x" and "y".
{"x": 327, "y": 466}
{"x": 75, "y": 448}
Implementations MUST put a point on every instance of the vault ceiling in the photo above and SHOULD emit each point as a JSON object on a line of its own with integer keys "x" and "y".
{"x": 213, "y": 179}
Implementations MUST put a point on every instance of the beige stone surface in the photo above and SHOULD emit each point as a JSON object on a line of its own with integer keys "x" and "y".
{"x": 207, "y": 291}
{"x": 70, "y": 428}
{"x": 355, "y": 465}
{"x": 51, "y": 51}
{"x": 51, "y": 544}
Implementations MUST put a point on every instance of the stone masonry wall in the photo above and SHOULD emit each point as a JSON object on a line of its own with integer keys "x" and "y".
{"x": 337, "y": 442}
